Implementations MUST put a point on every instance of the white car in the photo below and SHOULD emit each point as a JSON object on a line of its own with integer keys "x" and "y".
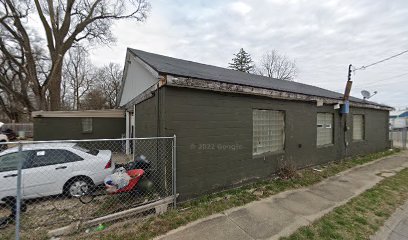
{"x": 51, "y": 169}
{"x": 3, "y": 140}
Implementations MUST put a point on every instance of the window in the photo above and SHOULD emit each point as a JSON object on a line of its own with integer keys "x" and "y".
{"x": 86, "y": 125}
{"x": 324, "y": 129}
{"x": 358, "y": 127}
{"x": 268, "y": 131}
{"x": 52, "y": 156}
{"x": 9, "y": 162}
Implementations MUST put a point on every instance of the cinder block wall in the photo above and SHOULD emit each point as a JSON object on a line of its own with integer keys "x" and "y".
{"x": 65, "y": 128}
{"x": 214, "y": 136}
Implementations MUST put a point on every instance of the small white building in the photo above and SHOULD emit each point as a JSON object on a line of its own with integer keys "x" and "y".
{"x": 399, "y": 119}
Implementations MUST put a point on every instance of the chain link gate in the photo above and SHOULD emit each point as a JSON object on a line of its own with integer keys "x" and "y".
{"x": 399, "y": 137}
{"x": 47, "y": 185}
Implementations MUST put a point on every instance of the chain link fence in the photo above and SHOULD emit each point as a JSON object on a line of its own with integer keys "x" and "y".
{"x": 74, "y": 182}
{"x": 20, "y": 130}
{"x": 399, "y": 137}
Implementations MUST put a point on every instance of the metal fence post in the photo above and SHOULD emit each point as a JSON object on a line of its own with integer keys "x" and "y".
{"x": 404, "y": 138}
{"x": 174, "y": 170}
{"x": 18, "y": 195}
{"x": 113, "y": 155}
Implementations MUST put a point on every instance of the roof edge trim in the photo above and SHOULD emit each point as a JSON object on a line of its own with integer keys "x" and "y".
{"x": 78, "y": 114}
{"x": 241, "y": 89}
{"x": 146, "y": 94}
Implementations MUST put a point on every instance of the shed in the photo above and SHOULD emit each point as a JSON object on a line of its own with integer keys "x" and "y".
{"x": 233, "y": 127}
{"x": 90, "y": 124}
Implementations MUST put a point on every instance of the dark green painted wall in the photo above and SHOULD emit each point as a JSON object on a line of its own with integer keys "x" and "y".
{"x": 158, "y": 152}
{"x": 214, "y": 136}
{"x": 71, "y": 128}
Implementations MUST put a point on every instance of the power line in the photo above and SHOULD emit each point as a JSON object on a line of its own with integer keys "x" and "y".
{"x": 377, "y": 82}
{"x": 383, "y": 60}
{"x": 384, "y": 79}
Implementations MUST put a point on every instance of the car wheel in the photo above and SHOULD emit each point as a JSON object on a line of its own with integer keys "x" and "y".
{"x": 3, "y": 146}
{"x": 78, "y": 187}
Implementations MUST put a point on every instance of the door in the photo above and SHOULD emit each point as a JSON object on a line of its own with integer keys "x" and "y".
{"x": 8, "y": 173}
{"x": 47, "y": 172}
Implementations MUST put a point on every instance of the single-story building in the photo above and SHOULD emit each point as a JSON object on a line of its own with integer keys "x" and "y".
{"x": 75, "y": 125}
{"x": 233, "y": 127}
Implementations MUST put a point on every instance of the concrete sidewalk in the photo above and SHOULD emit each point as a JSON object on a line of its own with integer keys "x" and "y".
{"x": 396, "y": 227}
{"x": 282, "y": 214}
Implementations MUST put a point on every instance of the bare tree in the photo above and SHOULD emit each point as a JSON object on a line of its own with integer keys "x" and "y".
{"x": 94, "y": 100}
{"x": 66, "y": 95}
{"x": 78, "y": 74}
{"x": 277, "y": 66}
{"x": 110, "y": 78}
{"x": 65, "y": 23}
{"x": 15, "y": 95}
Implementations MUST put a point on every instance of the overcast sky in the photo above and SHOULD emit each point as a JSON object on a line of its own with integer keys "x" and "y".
{"x": 322, "y": 36}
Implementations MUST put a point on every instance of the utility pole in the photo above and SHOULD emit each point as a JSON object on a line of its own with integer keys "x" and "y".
{"x": 345, "y": 108}
{"x": 348, "y": 85}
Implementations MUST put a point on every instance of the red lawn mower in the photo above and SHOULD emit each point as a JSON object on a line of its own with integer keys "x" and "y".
{"x": 138, "y": 173}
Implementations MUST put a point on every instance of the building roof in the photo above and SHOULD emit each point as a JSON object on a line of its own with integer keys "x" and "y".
{"x": 399, "y": 113}
{"x": 183, "y": 68}
{"x": 111, "y": 113}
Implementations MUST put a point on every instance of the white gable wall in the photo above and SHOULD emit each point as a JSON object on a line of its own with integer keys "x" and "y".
{"x": 138, "y": 77}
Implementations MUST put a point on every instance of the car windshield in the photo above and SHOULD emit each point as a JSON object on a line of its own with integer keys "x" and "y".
{"x": 10, "y": 161}
{"x": 84, "y": 149}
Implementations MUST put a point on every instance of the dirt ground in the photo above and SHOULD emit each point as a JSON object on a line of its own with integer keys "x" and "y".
{"x": 50, "y": 213}
{"x": 44, "y": 214}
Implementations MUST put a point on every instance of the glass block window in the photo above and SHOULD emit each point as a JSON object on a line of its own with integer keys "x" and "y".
{"x": 268, "y": 131}
{"x": 86, "y": 125}
{"x": 324, "y": 129}
{"x": 358, "y": 127}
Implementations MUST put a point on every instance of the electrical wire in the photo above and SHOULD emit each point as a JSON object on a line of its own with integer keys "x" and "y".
{"x": 377, "y": 83}
{"x": 383, "y": 60}
{"x": 383, "y": 81}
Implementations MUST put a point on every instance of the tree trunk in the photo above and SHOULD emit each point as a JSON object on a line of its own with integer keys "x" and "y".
{"x": 40, "y": 99}
{"x": 55, "y": 87}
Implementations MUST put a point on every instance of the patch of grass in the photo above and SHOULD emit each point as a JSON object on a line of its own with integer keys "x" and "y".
{"x": 218, "y": 202}
{"x": 349, "y": 222}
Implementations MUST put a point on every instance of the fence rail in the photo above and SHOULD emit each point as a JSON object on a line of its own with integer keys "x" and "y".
{"x": 50, "y": 184}
{"x": 399, "y": 137}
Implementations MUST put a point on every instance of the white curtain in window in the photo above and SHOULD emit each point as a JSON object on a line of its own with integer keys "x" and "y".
{"x": 358, "y": 127}
{"x": 87, "y": 125}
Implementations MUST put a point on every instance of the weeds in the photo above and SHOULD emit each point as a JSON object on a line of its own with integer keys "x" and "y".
{"x": 363, "y": 215}
{"x": 218, "y": 202}
{"x": 287, "y": 170}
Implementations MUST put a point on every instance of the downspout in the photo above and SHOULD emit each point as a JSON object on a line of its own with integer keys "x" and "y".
{"x": 158, "y": 110}
{"x": 157, "y": 121}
